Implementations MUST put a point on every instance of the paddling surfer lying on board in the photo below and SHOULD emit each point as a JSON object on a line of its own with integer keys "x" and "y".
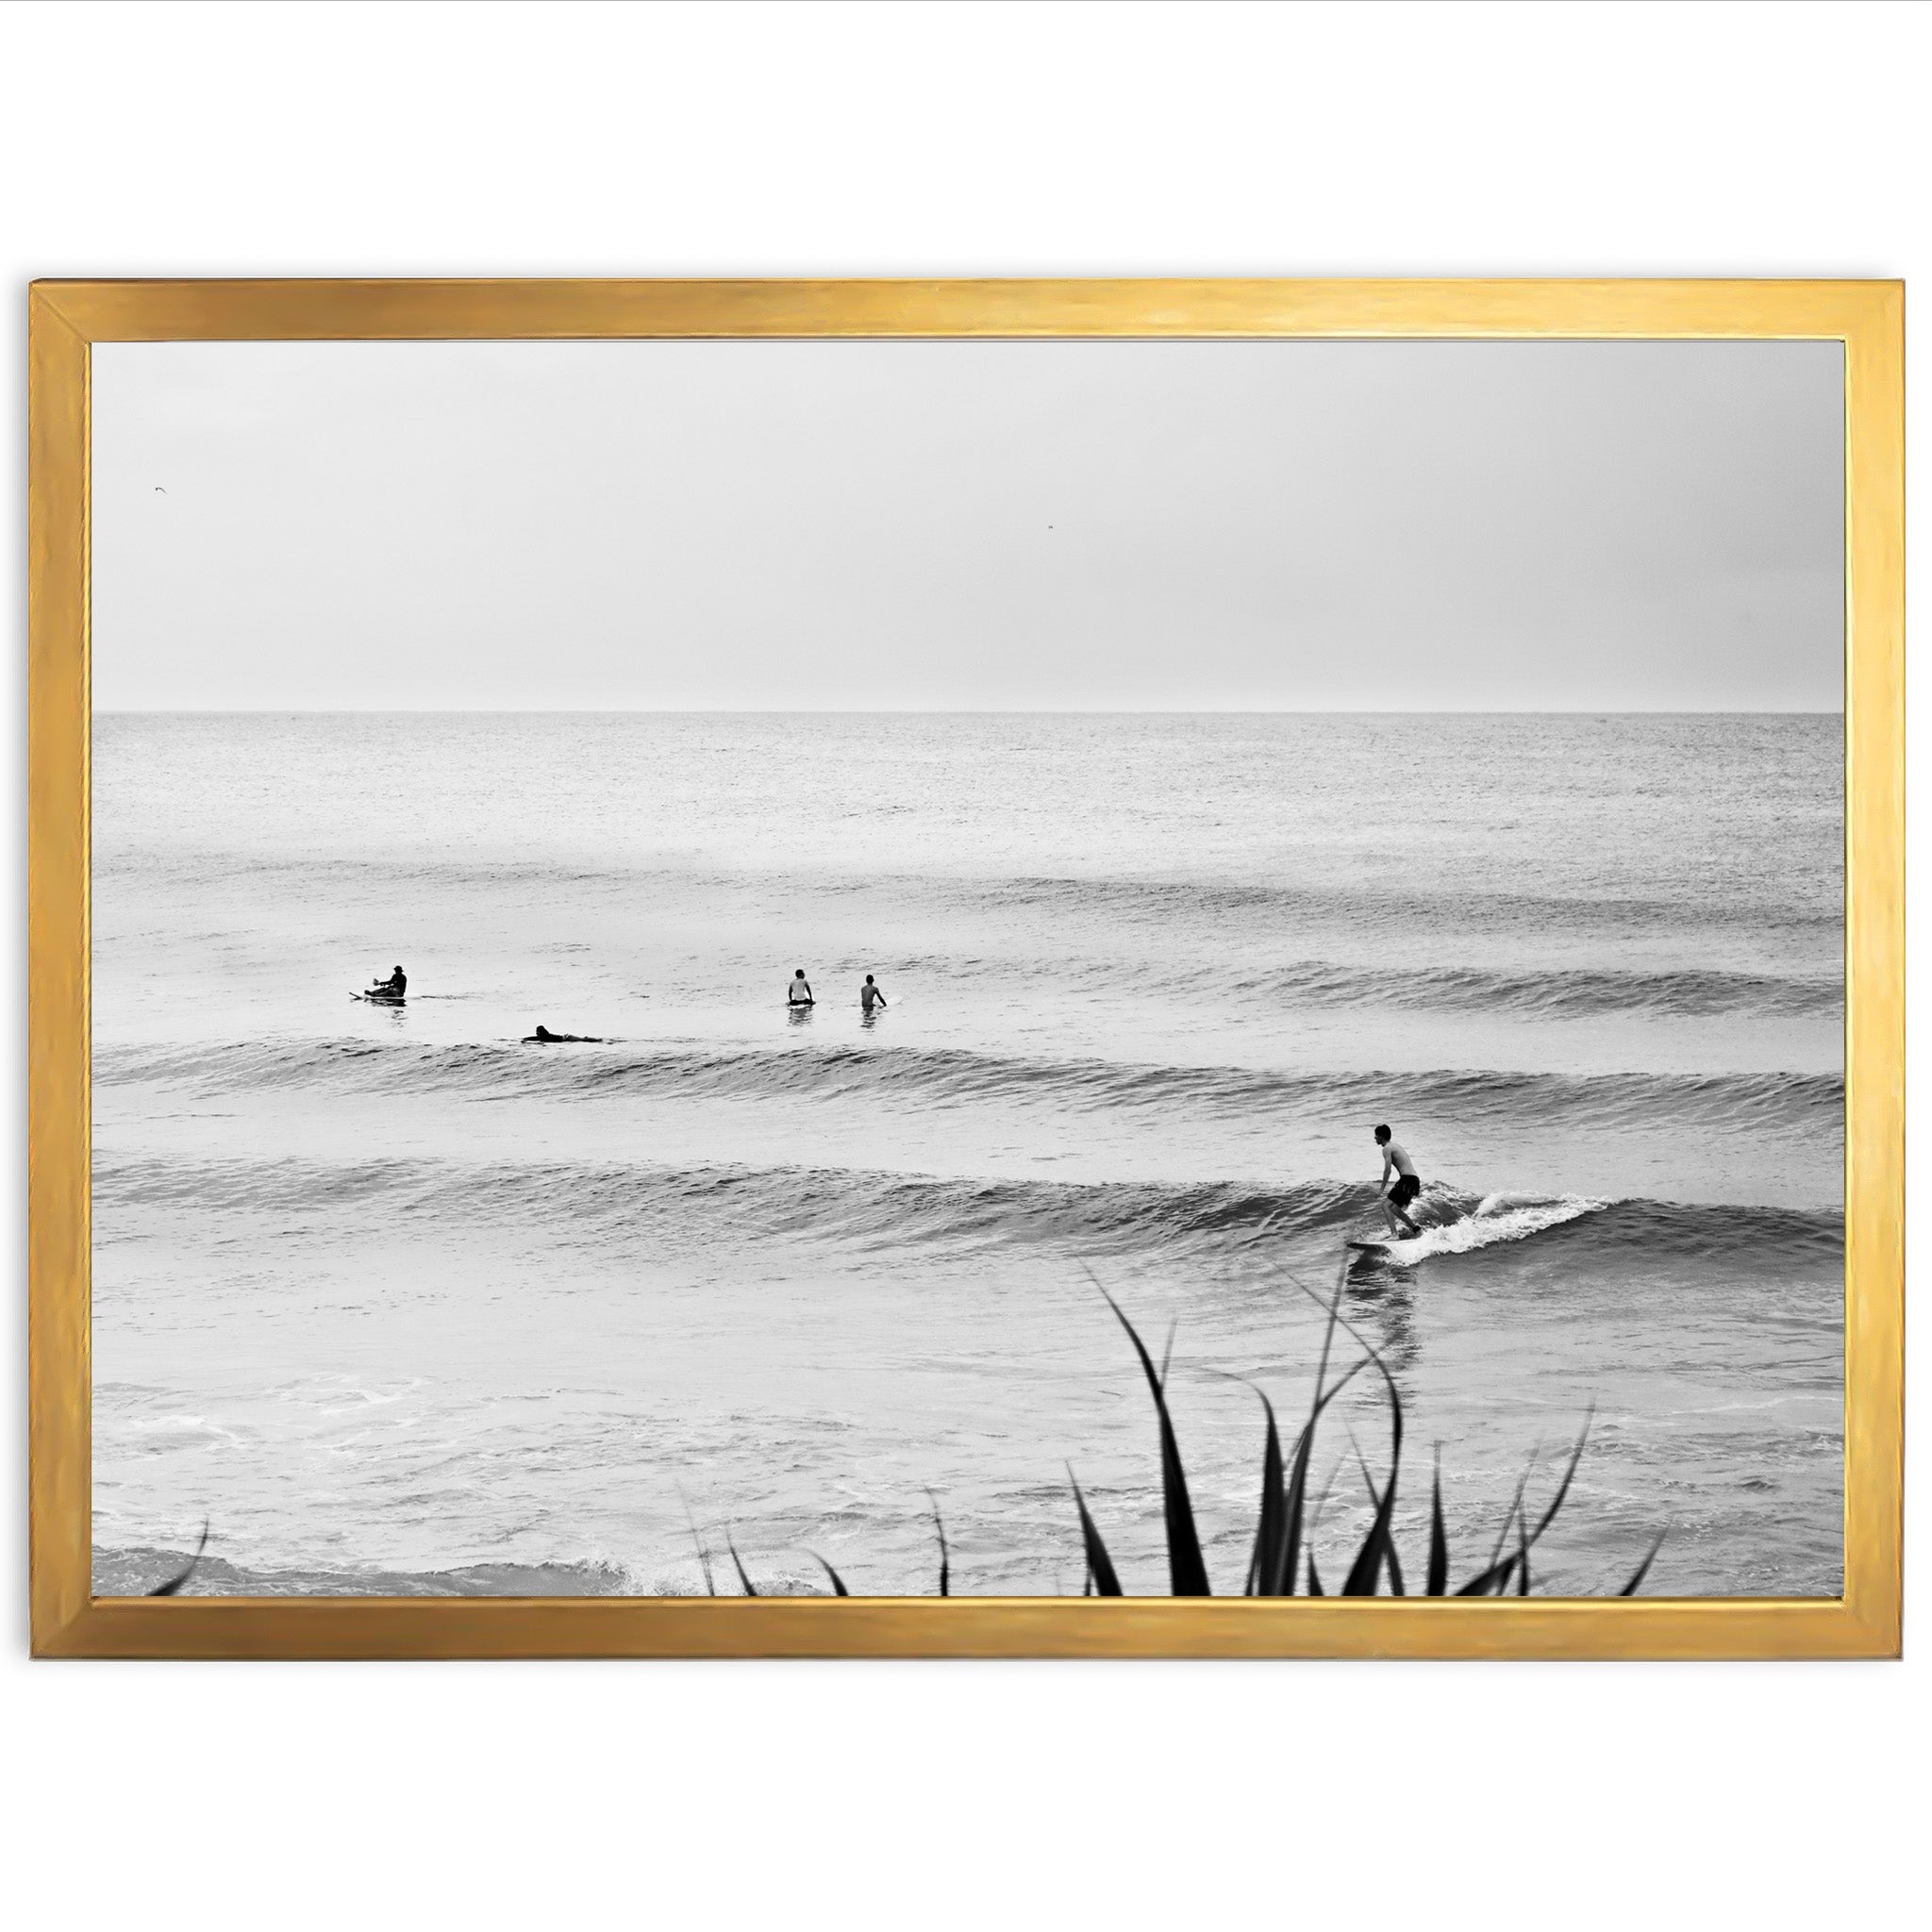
{"x": 1407, "y": 1183}
{"x": 543, "y": 1036}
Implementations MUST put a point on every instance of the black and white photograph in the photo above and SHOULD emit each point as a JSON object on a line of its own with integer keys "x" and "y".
{"x": 994, "y": 967}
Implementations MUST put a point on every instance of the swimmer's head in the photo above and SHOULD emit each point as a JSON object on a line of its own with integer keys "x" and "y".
{"x": 1381, "y": 1134}
{"x": 800, "y": 973}
{"x": 868, "y": 979}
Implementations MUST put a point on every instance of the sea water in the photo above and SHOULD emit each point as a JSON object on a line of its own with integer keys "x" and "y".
{"x": 395, "y": 1301}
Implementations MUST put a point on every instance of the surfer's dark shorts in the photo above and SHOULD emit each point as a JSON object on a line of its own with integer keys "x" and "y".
{"x": 1405, "y": 1190}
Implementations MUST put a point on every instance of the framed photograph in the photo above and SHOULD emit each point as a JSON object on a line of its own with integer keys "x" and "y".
{"x": 976, "y": 969}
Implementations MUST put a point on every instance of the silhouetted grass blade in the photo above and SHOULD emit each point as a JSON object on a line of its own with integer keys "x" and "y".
{"x": 1292, "y": 1530}
{"x": 172, "y": 1585}
{"x": 1187, "y": 1573}
{"x": 741, "y": 1576}
{"x": 704, "y": 1555}
{"x": 1496, "y": 1578}
{"x": 1271, "y": 1532}
{"x": 1437, "y": 1582}
{"x": 1099, "y": 1564}
{"x": 1304, "y": 1443}
{"x": 1496, "y": 1556}
{"x": 1283, "y": 1584}
{"x": 1630, "y": 1588}
{"x": 1396, "y": 1586}
{"x": 838, "y": 1582}
{"x": 946, "y": 1564}
{"x": 1379, "y": 1548}
{"x": 1563, "y": 1487}
{"x": 1492, "y": 1581}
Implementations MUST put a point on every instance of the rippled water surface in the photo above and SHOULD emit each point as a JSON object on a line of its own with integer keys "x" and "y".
{"x": 399, "y": 1303}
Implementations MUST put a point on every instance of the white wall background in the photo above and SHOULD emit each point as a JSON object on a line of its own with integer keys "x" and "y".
{"x": 457, "y": 140}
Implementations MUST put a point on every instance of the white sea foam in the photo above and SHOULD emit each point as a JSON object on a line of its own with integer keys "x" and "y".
{"x": 1497, "y": 1218}
{"x": 162, "y": 1426}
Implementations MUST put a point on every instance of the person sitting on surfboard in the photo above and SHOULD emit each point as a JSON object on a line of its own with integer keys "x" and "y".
{"x": 543, "y": 1036}
{"x": 799, "y": 993}
{"x": 1407, "y": 1184}
{"x": 868, "y": 994}
{"x": 394, "y": 985}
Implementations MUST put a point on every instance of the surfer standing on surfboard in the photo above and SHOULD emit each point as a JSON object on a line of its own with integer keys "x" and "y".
{"x": 1405, "y": 1186}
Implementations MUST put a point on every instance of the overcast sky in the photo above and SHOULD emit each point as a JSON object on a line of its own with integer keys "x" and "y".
{"x": 981, "y": 526}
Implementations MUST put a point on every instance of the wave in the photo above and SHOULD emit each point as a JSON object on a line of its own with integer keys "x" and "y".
{"x": 951, "y": 1076}
{"x": 1651, "y": 1228}
{"x": 1454, "y": 904}
{"x": 869, "y": 1212}
{"x": 856, "y": 1207}
{"x": 1057, "y": 902}
{"x": 1557, "y": 993}
{"x": 1700, "y": 1232}
{"x": 1552, "y": 992}
{"x": 136, "y": 1571}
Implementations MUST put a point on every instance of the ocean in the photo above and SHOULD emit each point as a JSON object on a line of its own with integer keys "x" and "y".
{"x": 394, "y": 1302}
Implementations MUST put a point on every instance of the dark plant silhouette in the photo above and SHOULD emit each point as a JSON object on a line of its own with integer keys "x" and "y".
{"x": 1276, "y": 1566}
{"x": 172, "y": 1585}
{"x": 1282, "y": 1562}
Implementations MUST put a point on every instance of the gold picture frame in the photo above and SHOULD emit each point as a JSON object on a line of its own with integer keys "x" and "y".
{"x": 66, "y": 318}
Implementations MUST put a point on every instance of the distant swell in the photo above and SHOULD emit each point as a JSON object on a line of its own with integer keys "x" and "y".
{"x": 1552, "y": 992}
{"x": 1051, "y": 904}
{"x": 1453, "y": 907}
{"x": 1557, "y": 995}
{"x": 934, "y": 1075}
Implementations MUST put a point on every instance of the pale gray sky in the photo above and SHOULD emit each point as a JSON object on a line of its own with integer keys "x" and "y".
{"x": 980, "y": 525}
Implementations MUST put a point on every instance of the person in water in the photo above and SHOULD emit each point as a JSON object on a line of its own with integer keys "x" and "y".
{"x": 799, "y": 993}
{"x": 868, "y": 996}
{"x": 1400, "y": 1182}
{"x": 393, "y": 986}
{"x": 543, "y": 1036}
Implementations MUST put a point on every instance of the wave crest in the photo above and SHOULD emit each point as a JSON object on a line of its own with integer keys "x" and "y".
{"x": 952, "y": 1076}
{"x": 868, "y": 1212}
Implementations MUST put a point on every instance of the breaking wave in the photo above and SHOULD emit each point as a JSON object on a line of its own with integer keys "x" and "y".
{"x": 870, "y": 1211}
